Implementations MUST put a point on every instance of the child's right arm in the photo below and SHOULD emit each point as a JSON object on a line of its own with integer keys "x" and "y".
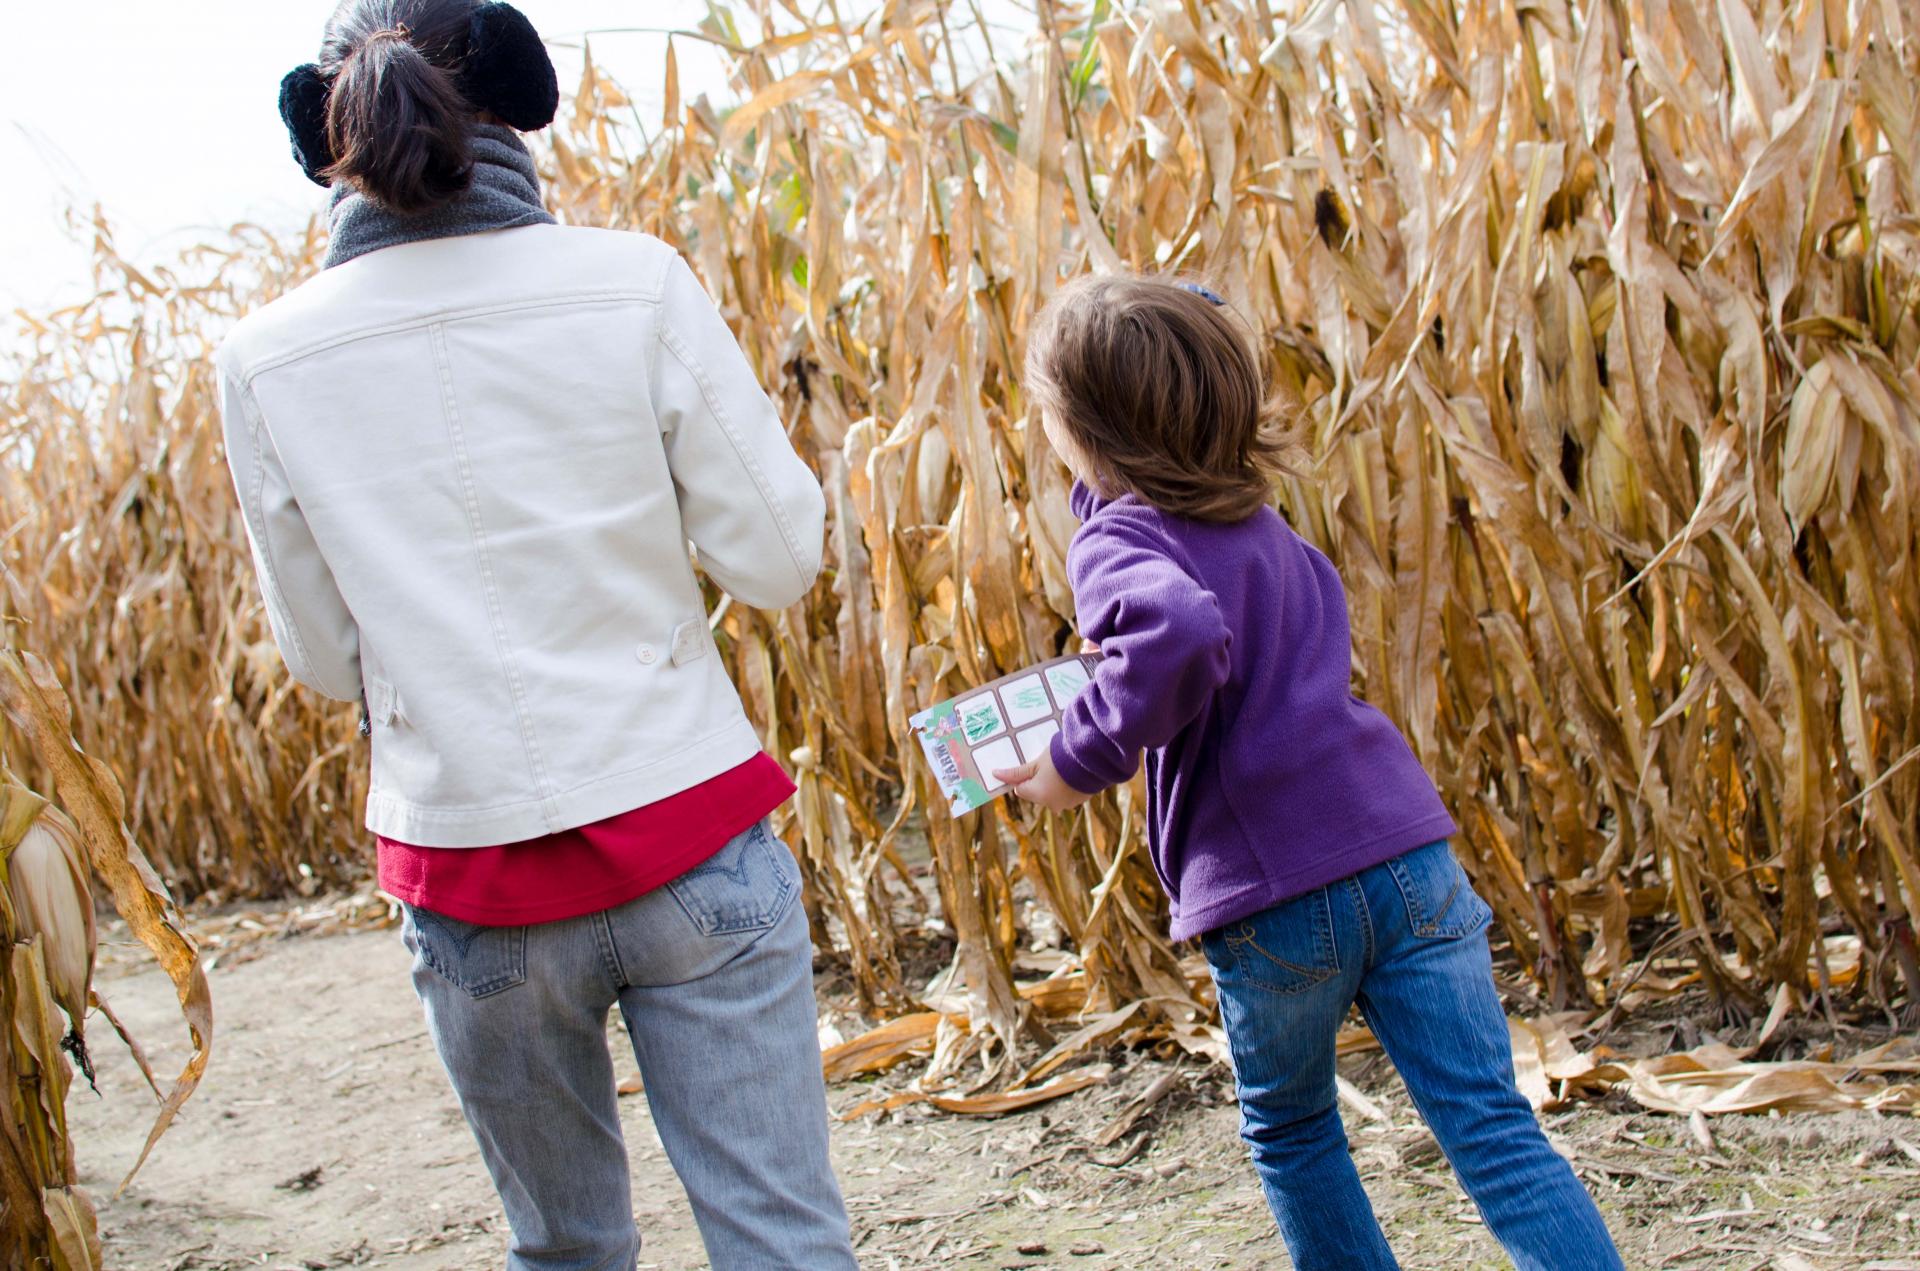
{"x": 1163, "y": 644}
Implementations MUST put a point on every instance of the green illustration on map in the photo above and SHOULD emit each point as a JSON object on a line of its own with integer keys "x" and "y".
{"x": 981, "y": 720}
{"x": 1068, "y": 679}
{"x": 1030, "y": 698}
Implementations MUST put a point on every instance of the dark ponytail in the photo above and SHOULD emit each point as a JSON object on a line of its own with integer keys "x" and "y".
{"x": 398, "y": 126}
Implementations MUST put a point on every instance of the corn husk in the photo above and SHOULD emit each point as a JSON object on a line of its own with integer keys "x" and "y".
{"x": 52, "y": 898}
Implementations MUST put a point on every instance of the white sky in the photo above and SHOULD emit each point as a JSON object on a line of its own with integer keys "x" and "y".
{"x": 163, "y": 112}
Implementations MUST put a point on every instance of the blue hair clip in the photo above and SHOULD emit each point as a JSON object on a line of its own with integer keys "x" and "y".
{"x": 1203, "y": 293}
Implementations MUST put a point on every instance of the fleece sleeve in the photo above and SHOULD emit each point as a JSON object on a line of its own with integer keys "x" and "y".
{"x": 1164, "y": 652}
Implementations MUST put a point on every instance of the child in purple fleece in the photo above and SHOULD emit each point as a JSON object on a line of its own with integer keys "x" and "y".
{"x": 1292, "y": 827}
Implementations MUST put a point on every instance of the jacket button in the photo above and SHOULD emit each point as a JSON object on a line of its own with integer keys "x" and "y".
{"x": 646, "y": 655}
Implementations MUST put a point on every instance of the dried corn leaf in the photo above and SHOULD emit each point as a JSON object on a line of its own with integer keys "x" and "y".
{"x": 1714, "y": 1079}
{"x": 987, "y": 1105}
{"x": 897, "y": 1040}
{"x": 37, "y": 706}
{"x": 73, "y": 1228}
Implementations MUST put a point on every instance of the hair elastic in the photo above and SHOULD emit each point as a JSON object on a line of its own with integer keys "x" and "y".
{"x": 1203, "y": 293}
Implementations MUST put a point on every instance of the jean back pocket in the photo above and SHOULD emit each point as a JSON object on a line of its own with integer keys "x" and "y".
{"x": 1440, "y": 900}
{"x": 478, "y": 960}
{"x": 1286, "y": 949}
{"x": 745, "y": 886}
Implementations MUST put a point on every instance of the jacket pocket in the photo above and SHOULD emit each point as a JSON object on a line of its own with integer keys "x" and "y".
{"x": 1440, "y": 900}
{"x": 1286, "y": 949}
{"x": 745, "y": 886}
{"x": 480, "y": 961}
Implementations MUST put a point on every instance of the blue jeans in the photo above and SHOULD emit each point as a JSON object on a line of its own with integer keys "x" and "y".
{"x": 714, "y": 973}
{"x": 1406, "y": 940}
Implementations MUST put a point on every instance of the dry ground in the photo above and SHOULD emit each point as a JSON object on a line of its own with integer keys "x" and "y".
{"x": 325, "y": 1136}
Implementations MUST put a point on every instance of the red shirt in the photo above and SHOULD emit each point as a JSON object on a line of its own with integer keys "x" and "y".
{"x": 585, "y": 870}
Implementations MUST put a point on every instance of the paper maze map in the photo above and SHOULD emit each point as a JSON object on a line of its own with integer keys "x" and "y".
{"x": 999, "y": 725}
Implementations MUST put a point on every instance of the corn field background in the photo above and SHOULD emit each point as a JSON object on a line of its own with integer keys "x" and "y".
{"x": 1597, "y": 323}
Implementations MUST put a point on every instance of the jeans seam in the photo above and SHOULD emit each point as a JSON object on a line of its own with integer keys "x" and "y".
{"x": 1329, "y": 947}
{"x": 1416, "y": 912}
{"x": 609, "y": 950}
{"x": 1370, "y": 949}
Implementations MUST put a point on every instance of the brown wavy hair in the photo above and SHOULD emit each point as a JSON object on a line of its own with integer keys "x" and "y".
{"x": 1161, "y": 392}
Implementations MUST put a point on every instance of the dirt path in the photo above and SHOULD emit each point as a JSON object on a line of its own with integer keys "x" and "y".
{"x": 325, "y": 1136}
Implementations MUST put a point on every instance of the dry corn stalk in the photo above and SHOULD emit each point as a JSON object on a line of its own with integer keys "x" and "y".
{"x": 47, "y": 931}
{"x": 1597, "y": 323}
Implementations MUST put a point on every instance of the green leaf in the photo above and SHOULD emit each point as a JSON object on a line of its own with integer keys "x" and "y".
{"x": 1089, "y": 59}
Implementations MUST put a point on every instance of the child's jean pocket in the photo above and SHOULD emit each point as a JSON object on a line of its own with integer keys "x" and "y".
{"x": 1439, "y": 898}
{"x": 1286, "y": 949}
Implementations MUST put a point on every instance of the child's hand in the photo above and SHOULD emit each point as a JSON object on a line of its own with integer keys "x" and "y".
{"x": 1038, "y": 782}
{"x": 1089, "y": 646}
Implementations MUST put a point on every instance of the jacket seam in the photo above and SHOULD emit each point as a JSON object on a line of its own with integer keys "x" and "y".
{"x": 256, "y": 497}
{"x": 429, "y": 321}
{"x": 470, "y": 498}
{"x": 748, "y": 459}
{"x": 451, "y": 811}
{"x": 653, "y": 362}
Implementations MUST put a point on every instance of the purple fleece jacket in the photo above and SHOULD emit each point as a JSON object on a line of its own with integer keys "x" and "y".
{"x": 1226, "y": 658}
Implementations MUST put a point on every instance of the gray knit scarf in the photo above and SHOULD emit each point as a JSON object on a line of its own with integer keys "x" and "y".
{"x": 505, "y": 194}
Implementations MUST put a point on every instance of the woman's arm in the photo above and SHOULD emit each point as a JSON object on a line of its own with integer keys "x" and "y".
{"x": 751, "y": 508}
{"x": 311, "y": 624}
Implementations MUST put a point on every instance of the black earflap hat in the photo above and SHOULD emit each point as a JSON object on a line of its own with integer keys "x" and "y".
{"x": 507, "y": 73}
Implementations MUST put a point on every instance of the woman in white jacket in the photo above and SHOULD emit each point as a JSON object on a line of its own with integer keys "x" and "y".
{"x": 471, "y": 455}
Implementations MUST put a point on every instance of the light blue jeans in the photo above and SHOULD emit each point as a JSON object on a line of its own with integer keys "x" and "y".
{"x": 714, "y": 973}
{"x": 1407, "y": 941}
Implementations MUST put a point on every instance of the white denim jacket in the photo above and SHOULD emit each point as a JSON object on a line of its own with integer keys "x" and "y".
{"x": 470, "y": 469}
